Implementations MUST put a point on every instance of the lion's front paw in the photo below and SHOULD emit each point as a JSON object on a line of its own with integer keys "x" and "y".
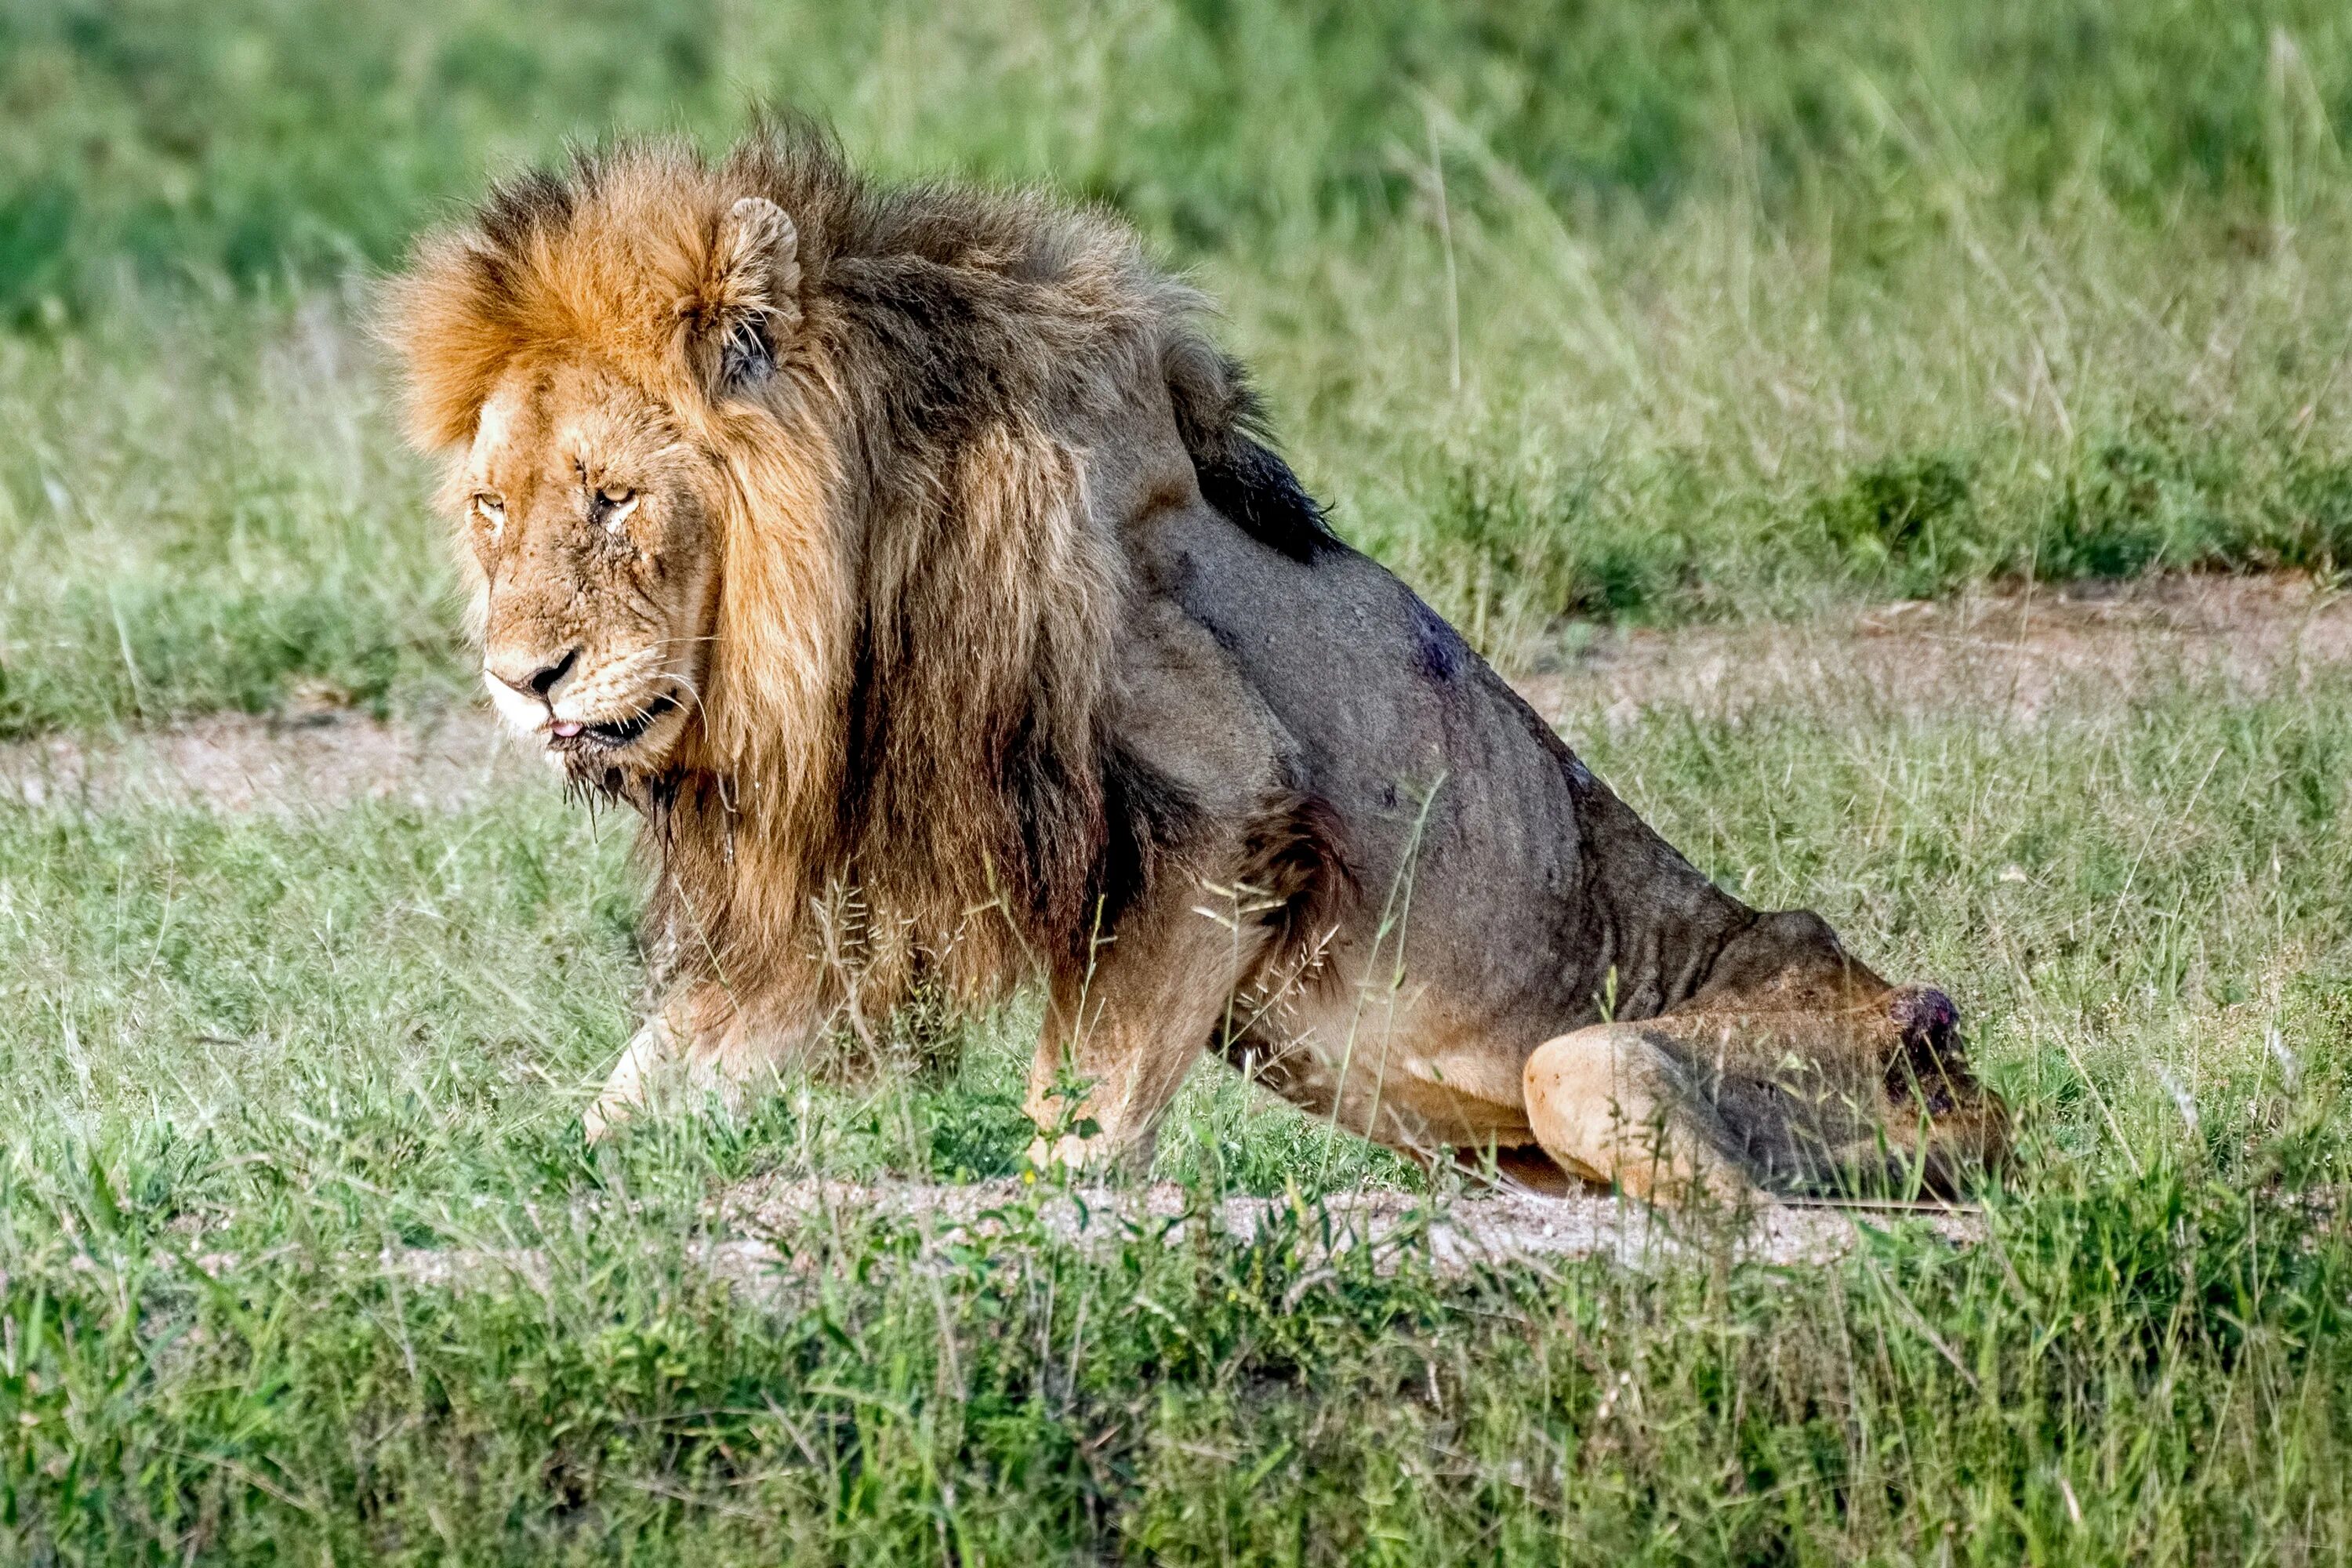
{"x": 1070, "y": 1153}
{"x": 602, "y": 1118}
{"x": 624, "y": 1094}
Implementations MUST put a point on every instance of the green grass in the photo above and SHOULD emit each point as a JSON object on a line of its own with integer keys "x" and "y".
{"x": 208, "y": 520}
{"x": 218, "y": 517}
{"x": 1596, "y": 311}
{"x": 282, "y": 134}
{"x": 289, "y": 1045}
{"x": 1609, "y": 311}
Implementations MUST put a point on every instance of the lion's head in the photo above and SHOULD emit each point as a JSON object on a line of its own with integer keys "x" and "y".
{"x": 588, "y": 525}
{"x": 597, "y": 358}
{"x": 772, "y": 504}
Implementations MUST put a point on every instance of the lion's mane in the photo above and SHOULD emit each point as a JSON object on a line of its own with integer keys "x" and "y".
{"x": 904, "y": 761}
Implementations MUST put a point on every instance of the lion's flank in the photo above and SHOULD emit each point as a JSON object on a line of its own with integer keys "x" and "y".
{"x": 905, "y": 713}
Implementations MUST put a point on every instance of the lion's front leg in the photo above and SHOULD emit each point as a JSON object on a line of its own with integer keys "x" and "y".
{"x": 694, "y": 1045}
{"x": 1123, "y": 1030}
{"x": 626, "y": 1087}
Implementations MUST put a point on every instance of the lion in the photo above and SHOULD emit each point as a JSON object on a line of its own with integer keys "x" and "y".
{"x": 917, "y": 569}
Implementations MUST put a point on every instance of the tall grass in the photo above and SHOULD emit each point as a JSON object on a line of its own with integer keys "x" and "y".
{"x": 1613, "y": 310}
{"x": 210, "y": 517}
{"x": 279, "y": 133}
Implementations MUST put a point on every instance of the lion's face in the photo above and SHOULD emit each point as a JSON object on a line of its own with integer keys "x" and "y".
{"x": 587, "y": 515}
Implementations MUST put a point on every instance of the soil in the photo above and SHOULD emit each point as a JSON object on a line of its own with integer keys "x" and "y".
{"x": 240, "y": 763}
{"x": 1462, "y": 1229}
{"x": 2021, "y": 656}
{"x": 758, "y": 1232}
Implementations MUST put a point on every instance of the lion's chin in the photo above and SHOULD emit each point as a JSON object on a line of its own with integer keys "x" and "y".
{"x": 614, "y": 757}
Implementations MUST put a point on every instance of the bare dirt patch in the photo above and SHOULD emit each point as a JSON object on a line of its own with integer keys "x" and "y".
{"x": 240, "y": 763}
{"x": 761, "y": 1232}
{"x": 2019, "y": 655}
{"x": 1461, "y": 1230}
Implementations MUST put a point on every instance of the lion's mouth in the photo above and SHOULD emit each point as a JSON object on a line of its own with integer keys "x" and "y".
{"x": 610, "y": 734}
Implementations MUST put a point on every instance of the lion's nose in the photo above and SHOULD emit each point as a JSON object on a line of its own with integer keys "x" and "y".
{"x": 536, "y": 682}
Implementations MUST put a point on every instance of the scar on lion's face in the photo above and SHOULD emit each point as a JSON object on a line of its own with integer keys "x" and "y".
{"x": 586, "y": 517}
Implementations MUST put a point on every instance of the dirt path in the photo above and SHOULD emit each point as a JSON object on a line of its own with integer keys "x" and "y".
{"x": 2021, "y": 656}
{"x": 238, "y": 762}
{"x": 1461, "y": 1231}
{"x": 760, "y": 1233}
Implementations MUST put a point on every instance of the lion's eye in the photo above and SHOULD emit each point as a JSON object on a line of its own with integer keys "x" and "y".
{"x": 614, "y": 504}
{"x": 491, "y": 510}
{"x": 746, "y": 360}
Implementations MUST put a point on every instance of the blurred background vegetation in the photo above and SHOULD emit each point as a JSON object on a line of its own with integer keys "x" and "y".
{"x": 279, "y": 139}
{"x": 1575, "y": 309}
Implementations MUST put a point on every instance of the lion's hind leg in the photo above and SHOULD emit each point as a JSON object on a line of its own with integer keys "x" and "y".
{"x": 1610, "y": 1103}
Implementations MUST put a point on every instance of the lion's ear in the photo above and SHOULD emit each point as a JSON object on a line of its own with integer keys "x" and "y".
{"x": 750, "y": 299}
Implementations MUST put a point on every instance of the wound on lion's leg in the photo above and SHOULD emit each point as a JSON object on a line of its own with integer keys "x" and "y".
{"x": 1603, "y": 1101}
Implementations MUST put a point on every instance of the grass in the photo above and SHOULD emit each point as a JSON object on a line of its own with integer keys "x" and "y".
{"x": 214, "y": 519}
{"x": 1579, "y": 313}
{"x": 218, "y": 519}
{"x": 1567, "y": 315}
{"x": 290, "y": 1043}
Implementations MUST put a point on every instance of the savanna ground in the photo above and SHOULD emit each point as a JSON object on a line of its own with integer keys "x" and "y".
{"x": 1677, "y": 351}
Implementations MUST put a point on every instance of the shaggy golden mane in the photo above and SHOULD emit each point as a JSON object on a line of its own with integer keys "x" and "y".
{"x": 902, "y": 763}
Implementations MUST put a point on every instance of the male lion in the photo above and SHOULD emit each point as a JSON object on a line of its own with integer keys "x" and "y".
{"x": 916, "y": 567}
